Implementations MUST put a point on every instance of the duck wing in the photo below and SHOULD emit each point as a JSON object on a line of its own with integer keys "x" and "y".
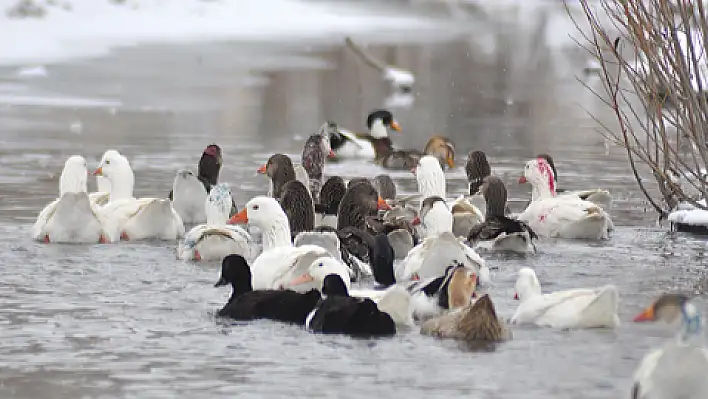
{"x": 333, "y": 314}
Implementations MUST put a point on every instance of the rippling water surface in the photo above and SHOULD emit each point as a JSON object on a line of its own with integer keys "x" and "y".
{"x": 129, "y": 320}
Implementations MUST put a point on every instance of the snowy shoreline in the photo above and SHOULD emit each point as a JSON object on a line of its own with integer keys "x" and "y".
{"x": 93, "y": 28}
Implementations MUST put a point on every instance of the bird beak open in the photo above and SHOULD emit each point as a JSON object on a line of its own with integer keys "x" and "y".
{"x": 450, "y": 162}
{"x": 646, "y": 315}
{"x": 382, "y": 204}
{"x": 331, "y": 154}
{"x": 239, "y": 218}
{"x": 415, "y": 221}
{"x": 305, "y": 278}
{"x": 98, "y": 172}
{"x": 262, "y": 169}
{"x": 516, "y": 296}
{"x": 395, "y": 126}
{"x": 522, "y": 180}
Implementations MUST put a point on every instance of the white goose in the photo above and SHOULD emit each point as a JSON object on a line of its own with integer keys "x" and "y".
{"x": 395, "y": 300}
{"x": 280, "y": 262}
{"x": 432, "y": 183}
{"x": 576, "y": 308}
{"x": 439, "y": 249}
{"x": 215, "y": 239}
{"x": 128, "y": 218}
{"x": 565, "y": 216}
{"x": 680, "y": 368}
{"x": 103, "y": 193}
{"x": 71, "y": 218}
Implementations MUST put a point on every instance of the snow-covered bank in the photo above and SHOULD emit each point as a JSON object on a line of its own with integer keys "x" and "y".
{"x": 89, "y": 28}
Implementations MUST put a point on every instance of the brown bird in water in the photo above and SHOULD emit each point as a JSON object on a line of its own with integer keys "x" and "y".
{"x": 443, "y": 149}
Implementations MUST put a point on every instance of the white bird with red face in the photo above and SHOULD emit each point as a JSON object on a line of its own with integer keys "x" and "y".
{"x": 565, "y": 216}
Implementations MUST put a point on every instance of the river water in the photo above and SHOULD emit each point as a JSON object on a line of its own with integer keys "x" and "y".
{"x": 130, "y": 321}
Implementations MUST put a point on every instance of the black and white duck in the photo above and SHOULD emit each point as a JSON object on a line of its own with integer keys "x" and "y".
{"x": 499, "y": 232}
{"x": 246, "y": 304}
{"x": 373, "y": 145}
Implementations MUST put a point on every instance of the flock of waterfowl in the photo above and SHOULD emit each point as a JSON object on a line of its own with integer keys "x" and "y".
{"x": 293, "y": 254}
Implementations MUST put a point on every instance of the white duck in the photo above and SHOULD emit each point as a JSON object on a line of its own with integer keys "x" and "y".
{"x": 680, "y": 368}
{"x": 395, "y": 300}
{"x": 576, "y": 308}
{"x": 103, "y": 193}
{"x": 188, "y": 197}
{"x": 439, "y": 249}
{"x": 71, "y": 218}
{"x": 597, "y": 196}
{"x": 432, "y": 183}
{"x": 128, "y": 218}
{"x": 215, "y": 239}
{"x": 565, "y": 216}
{"x": 280, "y": 262}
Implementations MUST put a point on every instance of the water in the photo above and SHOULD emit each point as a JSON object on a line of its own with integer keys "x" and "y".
{"x": 130, "y": 321}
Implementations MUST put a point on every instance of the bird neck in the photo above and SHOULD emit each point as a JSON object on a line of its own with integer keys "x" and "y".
{"x": 277, "y": 234}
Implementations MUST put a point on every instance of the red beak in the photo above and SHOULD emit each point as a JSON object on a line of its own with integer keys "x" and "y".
{"x": 262, "y": 169}
{"x": 415, "y": 221}
{"x": 516, "y": 296}
{"x": 413, "y": 169}
{"x": 522, "y": 180}
{"x": 331, "y": 154}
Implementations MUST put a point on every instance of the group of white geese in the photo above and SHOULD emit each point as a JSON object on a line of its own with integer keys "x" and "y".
{"x": 292, "y": 255}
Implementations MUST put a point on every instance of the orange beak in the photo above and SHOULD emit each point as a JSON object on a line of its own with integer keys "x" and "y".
{"x": 522, "y": 180}
{"x": 450, "y": 162}
{"x": 516, "y": 296}
{"x": 415, "y": 221}
{"x": 239, "y": 218}
{"x": 646, "y": 315}
{"x": 331, "y": 154}
{"x": 305, "y": 278}
{"x": 98, "y": 172}
{"x": 262, "y": 169}
{"x": 381, "y": 204}
{"x": 395, "y": 126}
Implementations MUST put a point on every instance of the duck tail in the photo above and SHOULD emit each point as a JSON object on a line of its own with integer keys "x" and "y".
{"x": 602, "y": 310}
{"x": 397, "y": 303}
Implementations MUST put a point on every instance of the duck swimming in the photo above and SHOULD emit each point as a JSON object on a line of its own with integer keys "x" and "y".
{"x": 454, "y": 289}
{"x": 359, "y": 201}
{"x": 565, "y": 216}
{"x": 280, "y": 261}
{"x": 474, "y": 323}
{"x": 680, "y": 368}
{"x": 373, "y": 145}
{"x": 576, "y": 308}
{"x": 339, "y": 313}
{"x": 246, "y": 304}
{"x": 128, "y": 218}
{"x": 71, "y": 218}
{"x": 215, "y": 239}
{"x": 280, "y": 170}
{"x": 498, "y": 232}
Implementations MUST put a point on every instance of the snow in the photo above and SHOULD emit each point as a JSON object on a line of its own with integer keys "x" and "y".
{"x": 90, "y": 28}
{"x": 687, "y": 213}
